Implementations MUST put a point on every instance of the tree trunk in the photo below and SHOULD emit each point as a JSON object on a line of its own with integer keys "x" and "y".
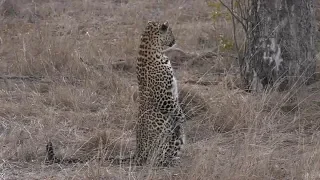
{"x": 281, "y": 44}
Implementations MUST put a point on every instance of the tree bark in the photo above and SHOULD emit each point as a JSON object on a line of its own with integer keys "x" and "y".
{"x": 281, "y": 44}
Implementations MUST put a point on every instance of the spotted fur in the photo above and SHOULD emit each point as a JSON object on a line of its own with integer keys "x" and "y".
{"x": 160, "y": 132}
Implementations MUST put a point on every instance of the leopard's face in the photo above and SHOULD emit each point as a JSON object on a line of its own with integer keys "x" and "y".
{"x": 162, "y": 32}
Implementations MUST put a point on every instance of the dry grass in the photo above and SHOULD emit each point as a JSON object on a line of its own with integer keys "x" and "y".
{"x": 85, "y": 103}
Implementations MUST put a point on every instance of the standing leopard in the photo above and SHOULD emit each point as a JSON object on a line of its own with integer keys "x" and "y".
{"x": 160, "y": 131}
{"x": 160, "y": 128}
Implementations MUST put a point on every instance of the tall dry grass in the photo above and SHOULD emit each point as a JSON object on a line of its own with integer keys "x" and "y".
{"x": 83, "y": 96}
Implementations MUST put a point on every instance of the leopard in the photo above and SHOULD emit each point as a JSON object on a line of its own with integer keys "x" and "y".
{"x": 160, "y": 133}
{"x": 160, "y": 128}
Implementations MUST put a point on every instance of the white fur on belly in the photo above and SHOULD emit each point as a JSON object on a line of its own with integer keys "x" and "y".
{"x": 175, "y": 88}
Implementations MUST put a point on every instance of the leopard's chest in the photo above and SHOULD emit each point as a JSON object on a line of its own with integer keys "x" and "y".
{"x": 174, "y": 88}
{"x": 158, "y": 76}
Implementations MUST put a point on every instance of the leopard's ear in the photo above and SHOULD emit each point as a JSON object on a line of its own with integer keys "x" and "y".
{"x": 165, "y": 26}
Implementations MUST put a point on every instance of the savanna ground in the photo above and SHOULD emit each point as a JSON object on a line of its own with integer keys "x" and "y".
{"x": 68, "y": 76}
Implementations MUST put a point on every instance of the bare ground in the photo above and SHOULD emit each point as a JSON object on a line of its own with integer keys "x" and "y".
{"x": 68, "y": 76}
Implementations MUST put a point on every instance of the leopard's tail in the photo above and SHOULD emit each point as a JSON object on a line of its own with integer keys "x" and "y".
{"x": 129, "y": 160}
{"x": 52, "y": 158}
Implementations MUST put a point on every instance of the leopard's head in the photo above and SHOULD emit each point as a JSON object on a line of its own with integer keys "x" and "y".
{"x": 161, "y": 32}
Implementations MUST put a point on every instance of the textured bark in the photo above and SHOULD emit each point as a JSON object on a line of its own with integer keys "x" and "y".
{"x": 281, "y": 44}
